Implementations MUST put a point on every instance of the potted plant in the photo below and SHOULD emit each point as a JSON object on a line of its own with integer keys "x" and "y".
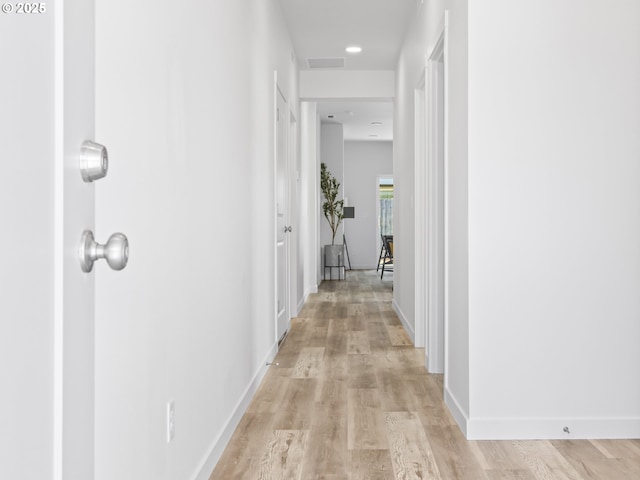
{"x": 333, "y": 212}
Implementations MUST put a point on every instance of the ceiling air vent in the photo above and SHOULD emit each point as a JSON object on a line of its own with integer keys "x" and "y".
{"x": 325, "y": 62}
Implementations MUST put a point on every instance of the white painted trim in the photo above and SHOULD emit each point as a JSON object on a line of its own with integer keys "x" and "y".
{"x": 274, "y": 203}
{"x": 437, "y": 314}
{"x": 305, "y": 297}
{"x": 58, "y": 222}
{"x": 403, "y": 319}
{"x": 458, "y": 413}
{"x": 552, "y": 428}
{"x": 310, "y": 290}
{"x": 421, "y": 209}
{"x": 222, "y": 440}
{"x": 287, "y": 246}
{"x": 445, "y": 35}
{"x": 292, "y": 213}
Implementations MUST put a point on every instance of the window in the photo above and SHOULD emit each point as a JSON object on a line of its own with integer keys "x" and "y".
{"x": 385, "y": 192}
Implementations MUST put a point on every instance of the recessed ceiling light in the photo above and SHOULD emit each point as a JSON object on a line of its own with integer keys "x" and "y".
{"x": 376, "y": 123}
{"x": 373, "y": 135}
{"x": 353, "y": 49}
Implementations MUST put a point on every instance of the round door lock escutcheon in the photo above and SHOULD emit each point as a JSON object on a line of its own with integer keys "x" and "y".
{"x": 94, "y": 161}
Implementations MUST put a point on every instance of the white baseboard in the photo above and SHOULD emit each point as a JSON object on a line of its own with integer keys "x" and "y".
{"x": 540, "y": 428}
{"x": 552, "y": 428}
{"x": 305, "y": 297}
{"x": 458, "y": 413}
{"x": 221, "y": 441}
{"x": 403, "y": 319}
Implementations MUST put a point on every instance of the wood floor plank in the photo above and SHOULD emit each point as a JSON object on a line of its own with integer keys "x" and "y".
{"x": 544, "y": 461}
{"x": 619, "y": 448}
{"x": 378, "y": 336}
{"x": 336, "y": 338}
{"x": 358, "y": 343}
{"x": 356, "y": 310}
{"x": 326, "y": 455}
{"x": 355, "y": 324}
{"x": 336, "y": 367}
{"x": 283, "y": 457}
{"x": 509, "y": 475}
{"x": 454, "y": 456}
{"x": 294, "y": 412}
{"x": 398, "y": 335}
{"x": 394, "y": 394}
{"x": 331, "y": 397}
{"x": 410, "y": 450}
{"x": 370, "y": 465}
{"x": 590, "y": 463}
{"x": 240, "y": 457}
{"x": 366, "y": 423}
{"x": 501, "y": 455}
{"x": 318, "y": 335}
{"x": 270, "y": 393}
{"x": 309, "y": 363}
{"x": 361, "y": 372}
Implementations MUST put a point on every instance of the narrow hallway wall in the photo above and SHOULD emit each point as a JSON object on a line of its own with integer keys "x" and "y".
{"x": 418, "y": 45}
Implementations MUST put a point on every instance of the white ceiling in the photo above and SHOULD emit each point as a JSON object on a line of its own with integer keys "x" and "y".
{"x": 324, "y": 28}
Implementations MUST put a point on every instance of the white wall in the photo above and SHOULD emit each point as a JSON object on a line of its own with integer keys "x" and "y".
{"x": 364, "y": 162}
{"x": 554, "y": 218}
{"x": 310, "y": 208}
{"x": 331, "y": 154}
{"x": 185, "y": 104}
{"x": 27, "y": 242}
{"x": 335, "y": 84}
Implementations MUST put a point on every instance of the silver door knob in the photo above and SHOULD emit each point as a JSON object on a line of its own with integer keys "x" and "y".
{"x": 115, "y": 251}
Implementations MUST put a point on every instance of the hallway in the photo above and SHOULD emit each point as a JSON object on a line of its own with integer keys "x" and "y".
{"x": 350, "y": 399}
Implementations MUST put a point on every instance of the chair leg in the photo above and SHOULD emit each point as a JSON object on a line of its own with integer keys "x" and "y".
{"x": 380, "y": 257}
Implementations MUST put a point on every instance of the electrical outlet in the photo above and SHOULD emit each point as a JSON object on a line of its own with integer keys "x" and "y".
{"x": 170, "y": 421}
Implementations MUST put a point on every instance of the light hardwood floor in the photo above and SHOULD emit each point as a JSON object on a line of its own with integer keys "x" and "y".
{"x": 351, "y": 399}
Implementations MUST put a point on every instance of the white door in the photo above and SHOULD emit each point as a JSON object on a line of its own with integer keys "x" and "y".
{"x": 74, "y": 208}
{"x": 282, "y": 225}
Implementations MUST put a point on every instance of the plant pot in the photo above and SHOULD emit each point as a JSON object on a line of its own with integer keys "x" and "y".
{"x": 333, "y": 255}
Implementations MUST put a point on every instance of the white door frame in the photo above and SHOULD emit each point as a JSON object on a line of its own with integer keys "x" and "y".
{"x": 74, "y": 206}
{"x": 437, "y": 208}
{"x": 420, "y": 214}
{"x": 379, "y": 179}
{"x": 280, "y": 310}
{"x": 293, "y": 209}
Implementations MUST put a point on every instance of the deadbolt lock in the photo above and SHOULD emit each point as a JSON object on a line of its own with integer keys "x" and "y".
{"x": 94, "y": 161}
